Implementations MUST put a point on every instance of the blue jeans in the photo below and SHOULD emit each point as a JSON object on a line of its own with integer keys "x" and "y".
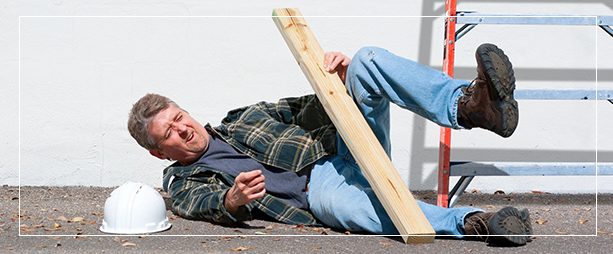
{"x": 339, "y": 194}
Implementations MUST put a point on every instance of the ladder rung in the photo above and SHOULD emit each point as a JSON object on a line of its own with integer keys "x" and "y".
{"x": 469, "y": 168}
{"x": 545, "y": 94}
{"x": 510, "y": 19}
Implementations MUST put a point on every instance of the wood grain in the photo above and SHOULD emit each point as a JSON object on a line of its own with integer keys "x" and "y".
{"x": 361, "y": 141}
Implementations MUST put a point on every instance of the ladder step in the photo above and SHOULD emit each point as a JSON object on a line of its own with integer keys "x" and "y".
{"x": 511, "y": 19}
{"x": 470, "y": 168}
{"x": 547, "y": 94}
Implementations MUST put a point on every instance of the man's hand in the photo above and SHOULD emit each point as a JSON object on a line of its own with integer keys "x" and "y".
{"x": 336, "y": 62}
{"x": 247, "y": 187}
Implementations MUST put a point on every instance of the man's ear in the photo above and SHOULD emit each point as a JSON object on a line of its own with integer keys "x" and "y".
{"x": 158, "y": 154}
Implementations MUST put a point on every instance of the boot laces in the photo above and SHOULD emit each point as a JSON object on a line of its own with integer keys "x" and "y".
{"x": 479, "y": 224}
{"x": 468, "y": 92}
{"x": 470, "y": 89}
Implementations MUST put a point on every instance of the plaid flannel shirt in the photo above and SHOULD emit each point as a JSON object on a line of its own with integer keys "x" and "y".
{"x": 291, "y": 134}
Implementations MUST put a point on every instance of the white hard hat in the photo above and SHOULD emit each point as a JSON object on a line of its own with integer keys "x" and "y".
{"x": 134, "y": 208}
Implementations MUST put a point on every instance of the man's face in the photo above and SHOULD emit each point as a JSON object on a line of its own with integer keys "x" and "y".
{"x": 178, "y": 135}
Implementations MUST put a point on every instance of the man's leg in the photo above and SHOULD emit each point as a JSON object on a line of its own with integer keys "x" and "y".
{"x": 377, "y": 77}
{"x": 341, "y": 197}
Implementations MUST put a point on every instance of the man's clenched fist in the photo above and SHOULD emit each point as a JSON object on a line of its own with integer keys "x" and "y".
{"x": 247, "y": 186}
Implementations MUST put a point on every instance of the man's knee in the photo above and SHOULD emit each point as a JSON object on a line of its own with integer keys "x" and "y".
{"x": 361, "y": 63}
{"x": 359, "y": 215}
{"x": 363, "y": 60}
{"x": 366, "y": 54}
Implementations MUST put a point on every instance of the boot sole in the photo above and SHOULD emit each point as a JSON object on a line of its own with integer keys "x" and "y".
{"x": 512, "y": 226}
{"x": 499, "y": 72}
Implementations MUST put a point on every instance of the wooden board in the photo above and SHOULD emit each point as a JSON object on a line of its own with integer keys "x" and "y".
{"x": 361, "y": 141}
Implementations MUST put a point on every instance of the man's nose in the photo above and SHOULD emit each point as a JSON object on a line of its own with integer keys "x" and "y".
{"x": 179, "y": 127}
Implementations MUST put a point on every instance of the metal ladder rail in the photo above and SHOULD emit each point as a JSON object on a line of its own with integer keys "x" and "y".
{"x": 462, "y": 169}
{"x": 467, "y": 170}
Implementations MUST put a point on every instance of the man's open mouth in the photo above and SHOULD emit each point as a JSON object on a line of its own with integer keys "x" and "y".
{"x": 190, "y": 137}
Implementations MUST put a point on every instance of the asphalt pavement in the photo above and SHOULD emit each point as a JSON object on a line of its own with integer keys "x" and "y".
{"x": 66, "y": 220}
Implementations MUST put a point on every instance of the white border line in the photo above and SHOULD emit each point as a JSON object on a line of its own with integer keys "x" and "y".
{"x": 266, "y": 235}
{"x": 253, "y": 16}
{"x": 596, "y": 124}
{"x": 75, "y": 235}
{"x": 19, "y": 130}
{"x": 317, "y": 16}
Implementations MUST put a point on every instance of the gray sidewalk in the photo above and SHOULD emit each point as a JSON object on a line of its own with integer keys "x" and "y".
{"x": 63, "y": 220}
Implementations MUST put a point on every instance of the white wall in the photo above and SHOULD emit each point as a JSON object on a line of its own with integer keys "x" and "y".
{"x": 80, "y": 76}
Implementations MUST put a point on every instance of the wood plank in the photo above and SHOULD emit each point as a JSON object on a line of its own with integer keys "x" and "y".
{"x": 361, "y": 141}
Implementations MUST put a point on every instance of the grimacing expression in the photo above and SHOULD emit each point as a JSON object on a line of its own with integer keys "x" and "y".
{"x": 179, "y": 137}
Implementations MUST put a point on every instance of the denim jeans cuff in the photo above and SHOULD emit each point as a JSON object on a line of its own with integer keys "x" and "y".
{"x": 454, "y": 111}
{"x": 466, "y": 215}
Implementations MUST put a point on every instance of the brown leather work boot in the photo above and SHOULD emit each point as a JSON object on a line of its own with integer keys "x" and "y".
{"x": 488, "y": 101}
{"x": 508, "y": 226}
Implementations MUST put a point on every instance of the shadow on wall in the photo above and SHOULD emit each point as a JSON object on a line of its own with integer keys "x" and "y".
{"x": 430, "y": 155}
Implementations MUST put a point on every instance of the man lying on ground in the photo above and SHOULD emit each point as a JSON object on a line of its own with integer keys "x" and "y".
{"x": 285, "y": 160}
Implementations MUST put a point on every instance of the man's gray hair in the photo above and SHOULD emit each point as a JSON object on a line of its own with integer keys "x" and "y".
{"x": 141, "y": 115}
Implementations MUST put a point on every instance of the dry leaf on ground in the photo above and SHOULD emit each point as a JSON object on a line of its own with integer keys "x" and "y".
{"x": 385, "y": 243}
{"x": 128, "y": 244}
{"x": 541, "y": 221}
{"x": 538, "y": 192}
{"x": 77, "y": 219}
{"x": 241, "y": 248}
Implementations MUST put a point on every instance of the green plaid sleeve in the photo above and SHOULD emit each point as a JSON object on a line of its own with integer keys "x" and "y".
{"x": 199, "y": 198}
{"x": 290, "y": 134}
{"x": 305, "y": 111}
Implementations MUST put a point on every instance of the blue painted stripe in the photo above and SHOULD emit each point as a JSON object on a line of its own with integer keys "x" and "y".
{"x": 529, "y": 168}
{"x": 511, "y": 19}
{"x": 544, "y": 94}
{"x": 605, "y": 20}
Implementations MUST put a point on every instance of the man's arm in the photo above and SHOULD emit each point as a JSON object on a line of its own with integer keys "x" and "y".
{"x": 305, "y": 111}
{"x": 247, "y": 187}
{"x": 203, "y": 199}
